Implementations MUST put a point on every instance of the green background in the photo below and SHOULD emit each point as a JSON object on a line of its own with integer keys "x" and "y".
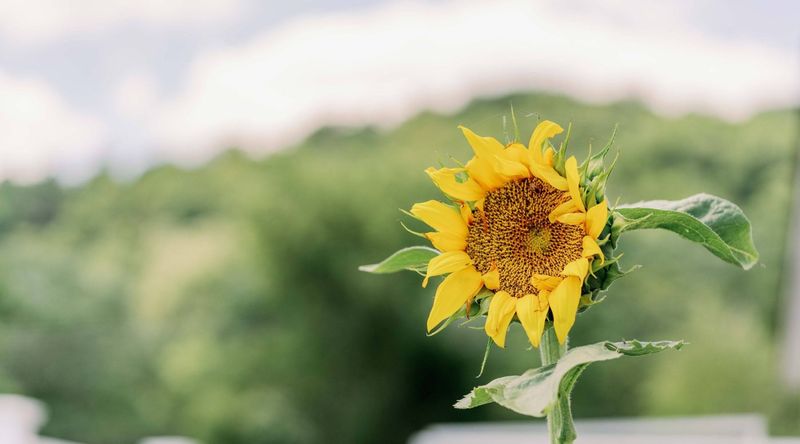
{"x": 224, "y": 303}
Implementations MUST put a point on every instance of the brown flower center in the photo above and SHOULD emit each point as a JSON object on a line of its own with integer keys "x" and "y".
{"x": 514, "y": 234}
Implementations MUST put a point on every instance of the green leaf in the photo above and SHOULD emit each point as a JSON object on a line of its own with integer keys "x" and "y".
{"x": 534, "y": 392}
{"x": 411, "y": 258}
{"x": 638, "y": 348}
{"x": 717, "y": 224}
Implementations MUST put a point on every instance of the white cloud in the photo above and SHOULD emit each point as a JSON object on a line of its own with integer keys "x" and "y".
{"x": 40, "y": 135}
{"x": 376, "y": 66}
{"x": 383, "y": 65}
{"x": 43, "y": 21}
{"x": 136, "y": 95}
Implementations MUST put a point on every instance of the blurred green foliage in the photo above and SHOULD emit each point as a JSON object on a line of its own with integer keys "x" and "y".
{"x": 224, "y": 303}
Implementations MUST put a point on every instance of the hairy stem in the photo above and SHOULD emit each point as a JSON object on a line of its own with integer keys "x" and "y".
{"x": 559, "y": 418}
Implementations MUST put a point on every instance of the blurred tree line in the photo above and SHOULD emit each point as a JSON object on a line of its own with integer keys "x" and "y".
{"x": 224, "y": 302}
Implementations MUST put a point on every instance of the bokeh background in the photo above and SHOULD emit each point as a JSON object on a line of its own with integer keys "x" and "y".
{"x": 190, "y": 186}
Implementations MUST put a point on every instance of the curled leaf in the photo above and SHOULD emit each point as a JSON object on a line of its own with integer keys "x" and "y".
{"x": 534, "y": 392}
{"x": 713, "y": 222}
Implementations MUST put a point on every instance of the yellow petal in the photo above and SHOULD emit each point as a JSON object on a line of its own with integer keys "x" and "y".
{"x": 596, "y": 219}
{"x": 590, "y": 248}
{"x": 564, "y": 208}
{"x": 484, "y": 147}
{"x": 543, "y": 282}
{"x": 447, "y": 241}
{"x": 549, "y": 157}
{"x": 491, "y": 280}
{"x": 440, "y": 217}
{"x": 544, "y": 304}
{"x": 573, "y": 182}
{"x": 466, "y": 213}
{"x": 511, "y": 168}
{"x": 452, "y": 293}
{"x": 578, "y": 268}
{"x": 445, "y": 179}
{"x": 447, "y": 262}
{"x": 501, "y": 311}
{"x": 549, "y": 175}
{"x": 517, "y": 152}
{"x": 564, "y": 305}
{"x": 572, "y": 218}
{"x": 484, "y": 173}
{"x": 531, "y": 317}
{"x": 487, "y": 164}
{"x": 544, "y": 130}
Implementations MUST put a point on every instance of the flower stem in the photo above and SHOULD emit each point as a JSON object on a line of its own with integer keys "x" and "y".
{"x": 559, "y": 418}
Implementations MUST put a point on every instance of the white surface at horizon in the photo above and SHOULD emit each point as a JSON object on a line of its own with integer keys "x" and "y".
{"x": 22, "y": 417}
{"x": 167, "y": 440}
{"x": 723, "y": 429}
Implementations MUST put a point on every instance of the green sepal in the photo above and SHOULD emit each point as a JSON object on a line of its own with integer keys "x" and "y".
{"x": 596, "y": 190}
{"x": 457, "y": 315}
{"x": 410, "y": 258}
{"x": 600, "y": 278}
{"x": 589, "y": 299}
{"x": 560, "y": 157}
{"x": 615, "y": 272}
{"x": 593, "y": 166}
{"x": 415, "y": 233}
{"x": 610, "y": 271}
{"x": 715, "y": 223}
{"x": 594, "y": 174}
{"x": 485, "y": 357}
{"x": 534, "y": 392}
{"x": 513, "y": 122}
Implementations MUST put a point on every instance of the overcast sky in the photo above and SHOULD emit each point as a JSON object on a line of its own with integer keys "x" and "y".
{"x": 88, "y": 84}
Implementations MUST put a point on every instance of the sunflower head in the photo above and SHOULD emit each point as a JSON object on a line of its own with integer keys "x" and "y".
{"x": 524, "y": 232}
{"x": 526, "y": 235}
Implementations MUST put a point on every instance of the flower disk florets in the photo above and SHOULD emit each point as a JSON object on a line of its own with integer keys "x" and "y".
{"x": 524, "y": 224}
{"x": 513, "y": 233}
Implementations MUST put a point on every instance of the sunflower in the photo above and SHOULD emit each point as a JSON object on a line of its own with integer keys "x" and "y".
{"x": 523, "y": 224}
